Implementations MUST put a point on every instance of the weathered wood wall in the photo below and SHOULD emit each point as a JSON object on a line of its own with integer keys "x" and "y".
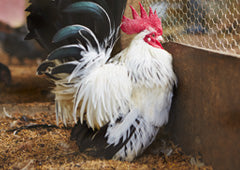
{"x": 205, "y": 114}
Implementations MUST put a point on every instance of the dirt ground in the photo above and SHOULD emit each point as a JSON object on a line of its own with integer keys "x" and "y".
{"x": 30, "y": 138}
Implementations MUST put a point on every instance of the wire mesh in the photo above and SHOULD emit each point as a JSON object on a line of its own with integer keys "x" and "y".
{"x": 211, "y": 24}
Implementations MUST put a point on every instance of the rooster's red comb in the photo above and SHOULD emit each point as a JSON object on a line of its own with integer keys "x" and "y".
{"x": 138, "y": 24}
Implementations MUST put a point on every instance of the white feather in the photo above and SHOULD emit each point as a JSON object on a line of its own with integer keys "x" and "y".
{"x": 136, "y": 84}
{"x": 106, "y": 94}
{"x": 152, "y": 78}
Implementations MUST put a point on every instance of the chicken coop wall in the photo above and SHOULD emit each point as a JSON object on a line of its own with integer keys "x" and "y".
{"x": 202, "y": 23}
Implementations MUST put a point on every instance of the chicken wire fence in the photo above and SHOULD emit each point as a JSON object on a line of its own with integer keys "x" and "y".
{"x": 210, "y": 24}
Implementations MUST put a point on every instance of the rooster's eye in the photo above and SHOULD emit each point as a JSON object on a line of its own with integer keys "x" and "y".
{"x": 153, "y": 35}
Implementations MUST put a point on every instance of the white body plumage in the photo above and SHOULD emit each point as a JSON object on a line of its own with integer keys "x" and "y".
{"x": 152, "y": 79}
{"x": 136, "y": 84}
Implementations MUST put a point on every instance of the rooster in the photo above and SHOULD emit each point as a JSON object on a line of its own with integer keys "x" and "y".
{"x": 13, "y": 44}
{"x": 118, "y": 103}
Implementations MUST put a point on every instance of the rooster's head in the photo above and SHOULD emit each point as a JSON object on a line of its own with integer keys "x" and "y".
{"x": 150, "y": 24}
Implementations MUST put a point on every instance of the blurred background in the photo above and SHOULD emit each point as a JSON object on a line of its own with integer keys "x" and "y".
{"x": 14, "y": 50}
{"x": 19, "y": 58}
{"x": 12, "y": 12}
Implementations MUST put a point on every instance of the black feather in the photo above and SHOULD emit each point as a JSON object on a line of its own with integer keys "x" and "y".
{"x": 95, "y": 143}
{"x": 43, "y": 67}
{"x": 67, "y": 32}
{"x": 77, "y": 32}
{"x": 65, "y": 68}
{"x": 47, "y": 17}
{"x": 66, "y": 51}
{"x": 92, "y": 9}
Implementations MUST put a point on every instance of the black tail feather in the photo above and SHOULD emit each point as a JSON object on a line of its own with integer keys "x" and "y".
{"x": 95, "y": 143}
{"x": 44, "y": 66}
{"x": 65, "y": 52}
{"x": 64, "y": 68}
{"x": 47, "y": 17}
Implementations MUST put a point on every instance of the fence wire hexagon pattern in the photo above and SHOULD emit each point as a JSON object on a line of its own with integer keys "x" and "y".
{"x": 210, "y": 24}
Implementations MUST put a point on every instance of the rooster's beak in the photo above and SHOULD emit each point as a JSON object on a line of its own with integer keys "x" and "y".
{"x": 160, "y": 39}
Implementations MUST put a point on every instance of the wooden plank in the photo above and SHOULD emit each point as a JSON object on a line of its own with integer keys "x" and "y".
{"x": 205, "y": 115}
